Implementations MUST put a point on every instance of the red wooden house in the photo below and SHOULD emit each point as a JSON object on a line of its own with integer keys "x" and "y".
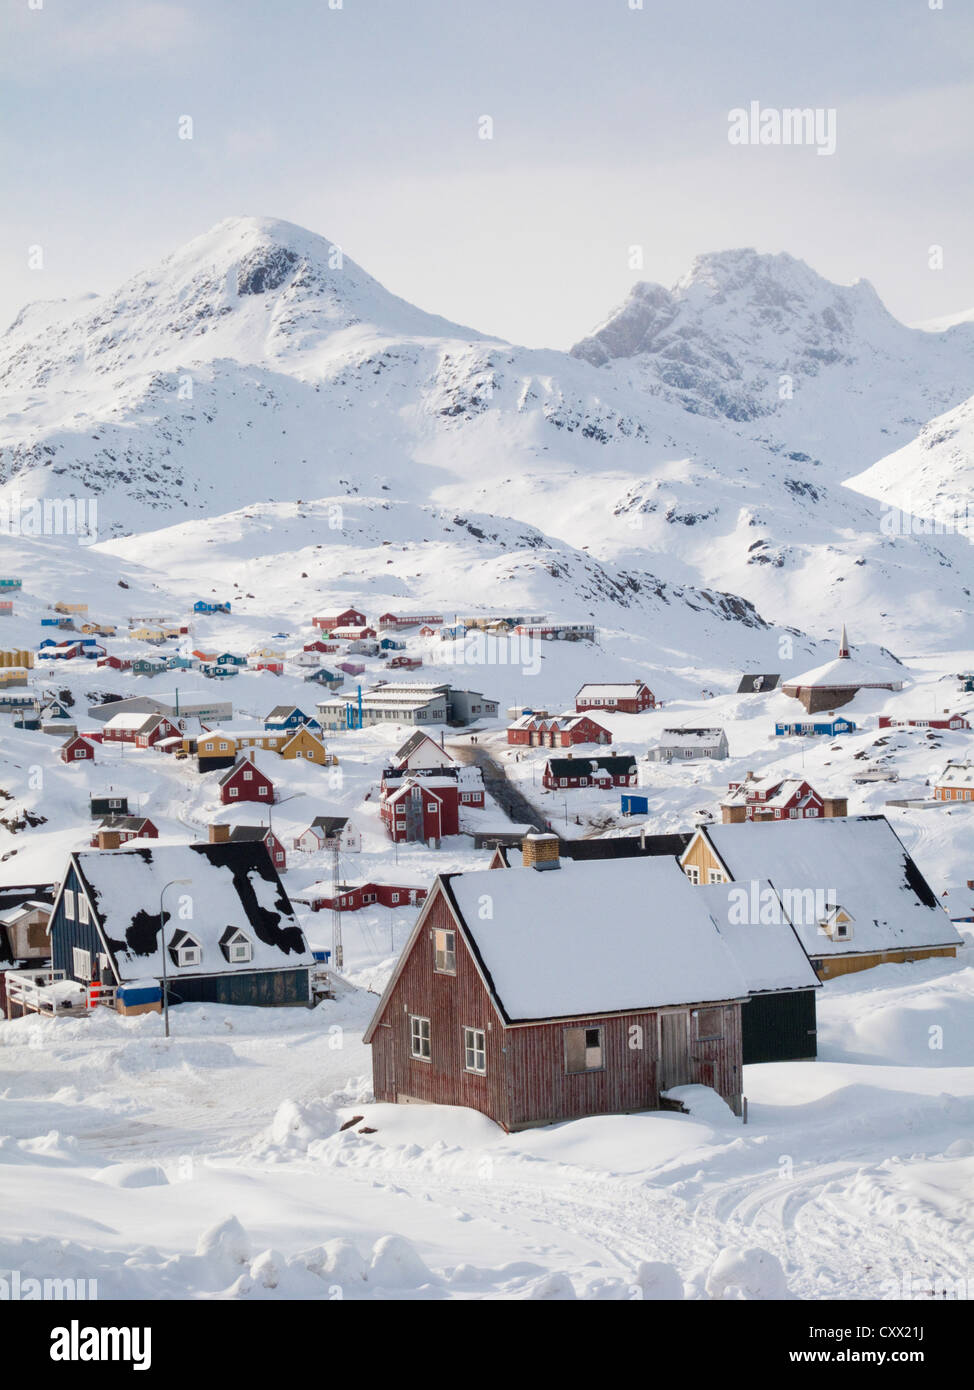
{"x": 351, "y": 617}
{"x": 265, "y": 836}
{"x": 156, "y": 728}
{"x": 245, "y": 782}
{"x": 556, "y": 731}
{"x": 947, "y": 721}
{"x": 784, "y": 798}
{"x": 421, "y": 808}
{"x": 562, "y": 774}
{"x": 318, "y": 646}
{"x": 117, "y": 663}
{"x": 628, "y": 697}
{"x": 549, "y": 1008}
{"x": 350, "y": 897}
{"x": 77, "y": 750}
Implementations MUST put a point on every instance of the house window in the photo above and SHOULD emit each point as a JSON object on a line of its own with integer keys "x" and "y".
{"x": 475, "y": 1050}
{"x": 793, "y": 813}
{"x": 69, "y": 904}
{"x": 395, "y": 897}
{"x": 693, "y": 873}
{"x": 811, "y": 811}
{"x": 841, "y": 930}
{"x": 114, "y": 805}
{"x": 419, "y": 1038}
{"x": 445, "y": 952}
{"x": 248, "y": 776}
{"x": 715, "y": 876}
{"x": 710, "y": 1024}
{"x": 81, "y": 964}
{"x": 261, "y": 791}
{"x": 83, "y": 909}
{"x": 223, "y": 747}
{"x": 234, "y": 791}
{"x": 583, "y": 1049}
{"x": 189, "y": 955}
{"x": 79, "y": 752}
{"x": 279, "y": 856}
{"x": 240, "y": 951}
{"x": 563, "y": 781}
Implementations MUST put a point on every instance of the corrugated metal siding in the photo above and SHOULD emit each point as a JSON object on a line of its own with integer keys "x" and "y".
{"x": 264, "y": 988}
{"x": 779, "y": 1027}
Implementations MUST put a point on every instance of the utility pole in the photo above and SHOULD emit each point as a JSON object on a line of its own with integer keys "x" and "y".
{"x": 162, "y": 948}
{"x": 337, "y": 958}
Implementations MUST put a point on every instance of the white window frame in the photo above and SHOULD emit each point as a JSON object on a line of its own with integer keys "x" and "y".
{"x": 475, "y": 1051}
{"x": 420, "y": 1039}
{"x": 692, "y": 872}
{"x": 237, "y": 945}
{"x": 68, "y": 898}
{"x": 190, "y": 954}
{"x": 714, "y": 876}
{"x": 234, "y": 791}
{"x": 80, "y": 963}
{"x": 84, "y": 917}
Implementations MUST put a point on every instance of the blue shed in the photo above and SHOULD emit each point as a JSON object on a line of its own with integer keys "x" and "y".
{"x": 634, "y": 805}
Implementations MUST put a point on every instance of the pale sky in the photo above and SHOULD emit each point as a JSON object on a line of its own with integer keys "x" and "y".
{"x": 610, "y": 130}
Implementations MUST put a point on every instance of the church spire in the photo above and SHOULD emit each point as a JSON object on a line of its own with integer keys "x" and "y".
{"x": 843, "y": 643}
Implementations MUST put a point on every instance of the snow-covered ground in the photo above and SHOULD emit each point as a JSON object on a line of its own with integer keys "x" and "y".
{"x": 216, "y": 1165}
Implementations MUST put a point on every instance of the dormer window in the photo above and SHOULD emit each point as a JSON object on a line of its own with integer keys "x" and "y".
{"x": 185, "y": 950}
{"x": 837, "y": 923}
{"x": 236, "y": 946}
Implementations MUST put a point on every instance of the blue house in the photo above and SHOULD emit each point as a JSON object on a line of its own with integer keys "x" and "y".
{"x": 633, "y": 805}
{"x": 203, "y": 605}
{"x": 181, "y": 663}
{"x": 217, "y": 672}
{"x": 285, "y": 717}
{"x": 386, "y": 644}
{"x": 230, "y": 934}
{"x": 229, "y": 659}
{"x": 829, "y": 727}
{"x": 9, "y": 583}
{"x": 56, "y": 622}
{"x": 333, "y": 679}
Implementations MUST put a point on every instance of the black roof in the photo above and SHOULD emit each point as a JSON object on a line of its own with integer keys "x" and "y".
{"x": 750, "y": 684}
{"x": 626, "y": 846}
{"x": 120, "y": 822}
{"x": 615, "y": 764}
{"x": 242, "y": 833}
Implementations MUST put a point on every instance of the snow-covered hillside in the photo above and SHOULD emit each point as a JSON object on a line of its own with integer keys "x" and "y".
{"x": 260, "y": 363}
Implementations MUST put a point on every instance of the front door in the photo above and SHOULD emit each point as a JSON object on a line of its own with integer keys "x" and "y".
{"x": 674, "y": 1050}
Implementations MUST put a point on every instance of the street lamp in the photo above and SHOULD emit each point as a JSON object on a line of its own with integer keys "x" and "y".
{"x": 162, "y": 947}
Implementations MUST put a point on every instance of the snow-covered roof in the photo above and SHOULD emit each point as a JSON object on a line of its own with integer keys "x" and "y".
{"x": 604, "y": 937}
{"x": 770, "y": 954}
{"x": 129, "y": 721}
{"x": 956, "y": 774}
{"x": 231, "y": 885}
{"x": 620, "y": 690}
{"x": 856, "y": 861}
{"x": 844, "y": 671}
{"x": 690, "y": 738}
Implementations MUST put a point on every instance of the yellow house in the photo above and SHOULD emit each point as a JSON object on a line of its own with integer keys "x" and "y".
{"x": 216, "y": 746}
{"x": 847, "y": 885}
{"x": 25, "y": 658}
{"x": 148, "y": 634}
{"x": 272, "y": 740}
{"x": 62, "y": 607}
{"x": 12, "y": 676}
{"x": 302, "y": 743}
{"x": 267, "y": 654}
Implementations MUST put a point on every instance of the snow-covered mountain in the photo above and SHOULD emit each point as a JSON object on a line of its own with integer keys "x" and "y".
{"x": 698, "y": 441}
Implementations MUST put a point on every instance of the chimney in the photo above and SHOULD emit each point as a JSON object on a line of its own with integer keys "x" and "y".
{"x": 218, "y": 834}
{"x": 970, "y": 883}
{"x": 109, "y": 839}
{"x": 540, "y": 851}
